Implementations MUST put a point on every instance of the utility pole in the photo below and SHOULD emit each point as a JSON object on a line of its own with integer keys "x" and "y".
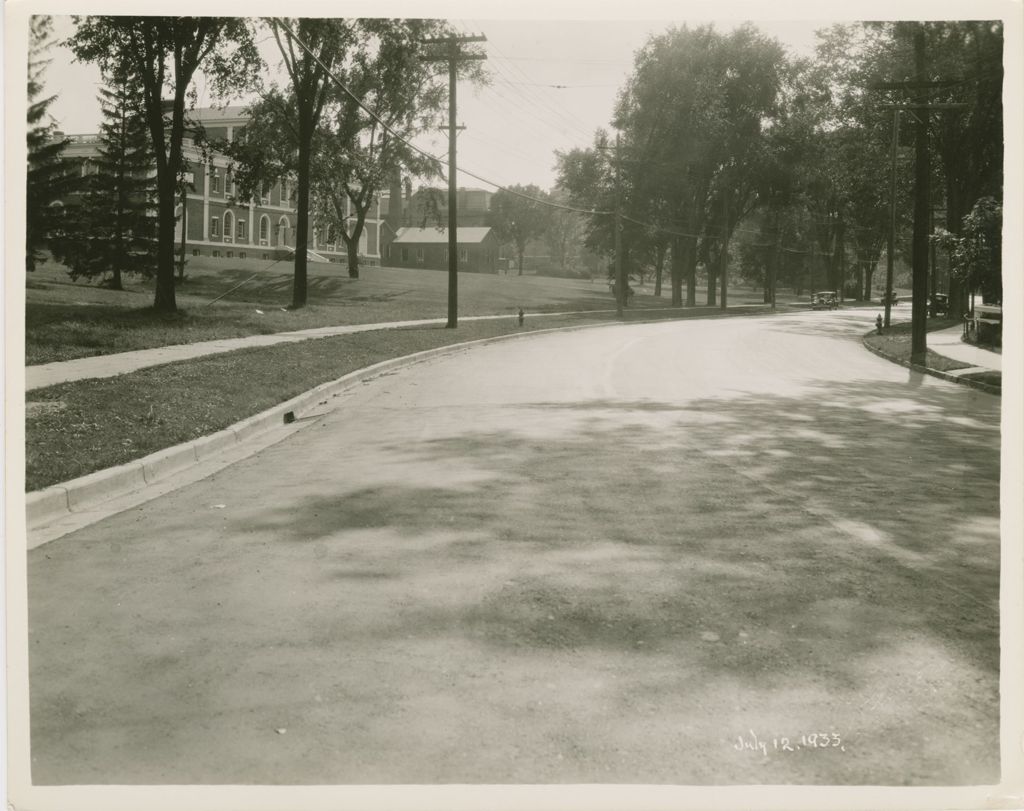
{"x": 453, "y": 57}
{"x": 891, "y": 252}
{"x": 922, "y": 204}
{"x": 620, "y": 282}
{"x": 922, "y": 173}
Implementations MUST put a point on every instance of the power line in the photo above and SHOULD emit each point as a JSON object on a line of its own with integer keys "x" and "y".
{"x": 330, "y": 74}
{"x": 498, "y": 186}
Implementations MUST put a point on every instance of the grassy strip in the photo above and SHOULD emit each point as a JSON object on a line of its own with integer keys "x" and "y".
{"x": 895, "y": 344}
{"x": 76, "y": 428}
{"x": 66, "y": 320}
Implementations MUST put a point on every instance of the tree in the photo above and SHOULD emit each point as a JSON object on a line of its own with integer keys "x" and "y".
{"x": 326, "y": 43}
{"x": 47, "y": 176}
{"x": 691, "y": 116}
{"x": 164, "y": 53}
{"x": 969, "y": 141}
{"x": 976, "y": 252}
{"x": 394, "y": 95}
{"x": 114, "y": 228}
{"x": 518, "y": 215}
{"x": 565, "y": 230}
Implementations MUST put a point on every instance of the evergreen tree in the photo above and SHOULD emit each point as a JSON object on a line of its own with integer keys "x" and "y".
{"x": 48, "y": 178}
{"x": 116, "y": 223}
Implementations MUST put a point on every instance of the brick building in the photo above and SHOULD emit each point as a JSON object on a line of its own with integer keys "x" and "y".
{"x": 219, "y": 225}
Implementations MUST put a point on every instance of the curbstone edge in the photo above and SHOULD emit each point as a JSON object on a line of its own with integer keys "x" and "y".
{"x": 917, "y": 367}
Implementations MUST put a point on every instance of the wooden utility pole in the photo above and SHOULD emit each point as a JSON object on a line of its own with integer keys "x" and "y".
{"x": 922, "y": 173}
{"x": 453, "y": 57}
{"x": 891, "y": 252}
{"x": 922, "y": 205}
{"x": 620, "y": 282}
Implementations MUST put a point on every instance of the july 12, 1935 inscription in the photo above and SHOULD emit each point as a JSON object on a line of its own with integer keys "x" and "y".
{"x": 781, "y": 744}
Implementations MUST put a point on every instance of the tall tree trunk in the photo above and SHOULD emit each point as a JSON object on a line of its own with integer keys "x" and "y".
{"x": 164, "y": 300}
{"x": 300, "y": 283}
{"x": 659, "y": 264}
{"x": 723, "y": 271}
{"x": 520, "y": 252}
{"x": 352, "y": 243}
{"x": 352, "y": 251}
{"x": 691, "y": 272}
{"x": 839, "y": 259}
{"x": 676, "y": 268}
{"x": 712, "y": 287}
{"x": 119, "y": 249}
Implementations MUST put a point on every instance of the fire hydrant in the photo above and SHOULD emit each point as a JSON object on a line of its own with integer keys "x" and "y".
{"x": 878, "y": 323}
{"x": 522, "y": 315}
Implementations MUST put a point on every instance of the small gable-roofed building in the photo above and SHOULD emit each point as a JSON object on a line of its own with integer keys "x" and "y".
{"x": 428, "y": 248}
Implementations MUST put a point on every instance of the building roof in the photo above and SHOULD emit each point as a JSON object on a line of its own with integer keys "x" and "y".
{"x": 236, "y": 112}
{"x": 439, "y": 236}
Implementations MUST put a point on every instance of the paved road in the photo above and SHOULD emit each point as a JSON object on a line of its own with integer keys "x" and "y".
{"x": 628, "y": 554}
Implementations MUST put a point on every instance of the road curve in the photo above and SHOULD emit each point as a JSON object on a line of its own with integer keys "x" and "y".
{"x": 739, "y": 551}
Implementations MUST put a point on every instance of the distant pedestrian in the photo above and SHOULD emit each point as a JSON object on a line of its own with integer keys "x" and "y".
{"x": 522, "y": 315}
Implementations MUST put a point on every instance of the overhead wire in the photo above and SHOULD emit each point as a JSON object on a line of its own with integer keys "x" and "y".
{"x": 549, "y": 105}
{"x": 547, "y": 203}
{"x": 330, "y": 74}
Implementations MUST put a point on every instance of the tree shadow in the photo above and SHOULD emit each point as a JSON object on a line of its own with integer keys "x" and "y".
{"x": 851, "y": 511}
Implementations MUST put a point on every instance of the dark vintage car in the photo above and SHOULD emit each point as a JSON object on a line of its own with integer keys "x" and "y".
{"x": 826, "y": 299}
{"x": 938, "y": 304}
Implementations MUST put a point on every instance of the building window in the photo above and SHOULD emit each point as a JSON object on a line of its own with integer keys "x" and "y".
{"x": 405, "y": 254}
{"x": 214, "y": 226}
{"x": 463, "y": 254}
{"x": 215, "y": 181}
{"x": 240, "y": 229}
{"x": 264, "y": 230}
{"x": 195, "y": 251}
{"x": 282, "y": 231}
{"x": 419, "y": 255}
{"x": 266, "y": 256}
{"x": 229, "y": 226}
{"x": 241, "y": 254}
{"x": 231, "y": 254}
{"x": 217, "y": 254}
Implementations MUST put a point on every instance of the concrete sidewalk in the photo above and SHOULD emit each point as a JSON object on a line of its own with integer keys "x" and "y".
{"x": 50, "y": 374}
{"x": 948, "y": 343}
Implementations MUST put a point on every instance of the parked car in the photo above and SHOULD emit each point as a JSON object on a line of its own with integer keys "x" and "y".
{"x": 894, "y": 301}
{"x": 938, "y": 304}
{"x": 826, "y": 299}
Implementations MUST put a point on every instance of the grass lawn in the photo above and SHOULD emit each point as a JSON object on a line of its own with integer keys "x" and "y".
{"x": 895, "y": 344}
{"x": 76, "y": 428}
{"x": 66, "y": 319}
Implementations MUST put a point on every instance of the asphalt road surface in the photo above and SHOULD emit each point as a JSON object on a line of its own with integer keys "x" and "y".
{"x": 739, "y": 551}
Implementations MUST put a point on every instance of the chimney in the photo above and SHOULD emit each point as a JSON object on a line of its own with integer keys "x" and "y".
{"x": 394, "y": 216}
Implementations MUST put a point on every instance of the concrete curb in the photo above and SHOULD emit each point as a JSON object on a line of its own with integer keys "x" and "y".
{"x": 917, "y": 367}
{"x": 87, "y": 492}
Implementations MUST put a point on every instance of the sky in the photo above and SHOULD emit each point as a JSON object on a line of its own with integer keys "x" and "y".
{"x": 553, "y": 83}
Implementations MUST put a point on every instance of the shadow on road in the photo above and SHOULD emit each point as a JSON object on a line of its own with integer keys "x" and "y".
{"x": 828, "y": 560}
